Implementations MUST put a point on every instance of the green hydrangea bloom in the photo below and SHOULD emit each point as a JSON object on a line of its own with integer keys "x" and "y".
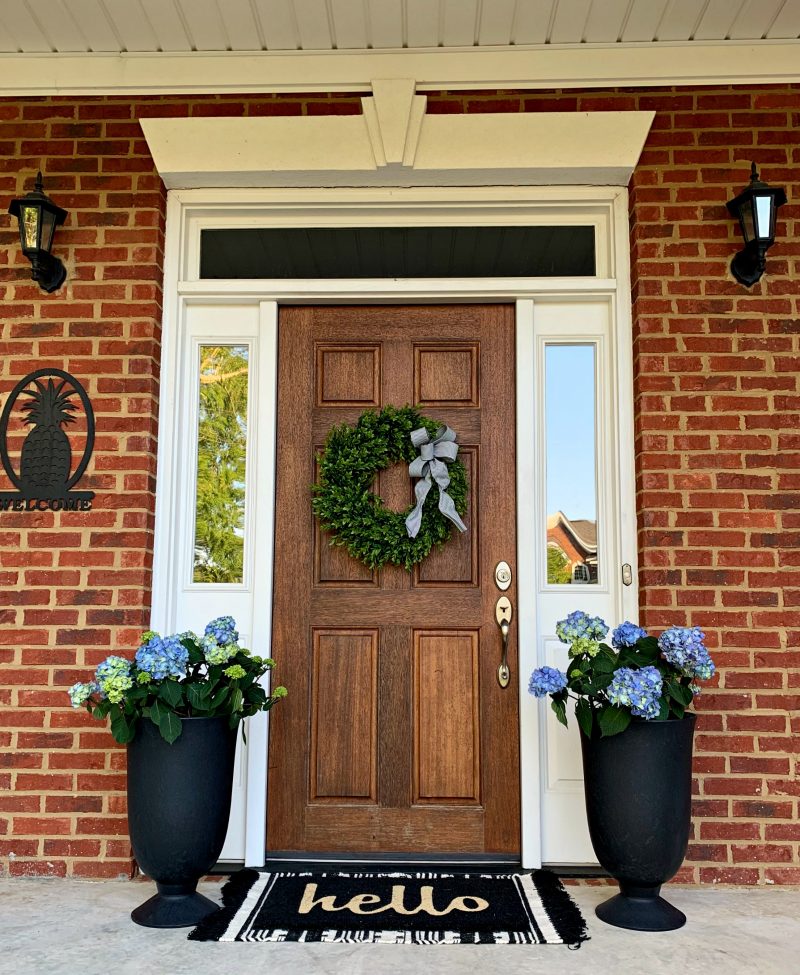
{"x": 584, "y": 645}
{"x": 216, "y": 652}
{"x": 113, "y": 676}
{"x": 235, "y": 671}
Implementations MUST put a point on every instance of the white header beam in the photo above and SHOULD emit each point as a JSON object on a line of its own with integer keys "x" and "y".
{"x": 512, "y": 149}
{"x": 530, "y": 68}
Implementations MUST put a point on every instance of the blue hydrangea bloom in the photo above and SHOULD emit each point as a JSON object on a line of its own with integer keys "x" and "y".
{"x": 161, "y": 658}
{"x": 582, "y": 633}
{"x": 638, "y": 689}
{"x": 546, "y": 680}
{"x": 683, "y": 647}
{"x": 223, "y": 629}
{"x": 627, "y": 635}
{"x": 113, "y": 677}
{"x": 79, "y": 694}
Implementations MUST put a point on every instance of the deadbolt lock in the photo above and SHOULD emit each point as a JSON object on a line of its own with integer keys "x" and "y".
{"x": 502, "y": 576}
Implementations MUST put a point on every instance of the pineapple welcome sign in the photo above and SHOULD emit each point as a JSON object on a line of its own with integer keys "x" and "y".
{"x": 43, "y": 470}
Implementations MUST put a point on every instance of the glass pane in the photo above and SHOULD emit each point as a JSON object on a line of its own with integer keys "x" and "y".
{"x": 571, "y": 456}
{"x": 763, "y": 211}
{"x": 397, "y": 252}
{"x": 747, "y": 218}
{"x": 221, "y": 458}
{"x": 48, "y": 229}
{"x": 30, "y": 227}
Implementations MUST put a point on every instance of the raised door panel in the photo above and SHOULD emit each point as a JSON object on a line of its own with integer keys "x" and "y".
{"x": 446, "y": 717}
{"x": 446, "y": 375}
{"x": 344, "y": 715}
{"x": 348, "y": 375}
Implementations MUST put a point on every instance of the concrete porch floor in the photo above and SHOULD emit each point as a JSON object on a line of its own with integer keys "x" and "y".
{"x": 63, "y": 926}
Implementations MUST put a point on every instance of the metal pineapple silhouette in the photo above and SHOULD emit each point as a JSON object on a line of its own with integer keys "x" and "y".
{"x": 46, "y": 457}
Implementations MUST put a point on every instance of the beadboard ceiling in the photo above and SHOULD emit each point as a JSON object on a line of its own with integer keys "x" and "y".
{"x": 173, "y": 26}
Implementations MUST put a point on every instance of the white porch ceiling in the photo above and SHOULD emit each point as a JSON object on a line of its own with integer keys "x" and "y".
{"x": 238, "y": 46}
{"x": 173, "y": 26}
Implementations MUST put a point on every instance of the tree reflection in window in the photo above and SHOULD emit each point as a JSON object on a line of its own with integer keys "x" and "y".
{"x": 221, "y": 460}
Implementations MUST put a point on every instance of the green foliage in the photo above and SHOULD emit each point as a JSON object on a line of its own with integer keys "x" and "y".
{"x": 558, "y": 571}
{"x": 559, "y": 706}
{"x": 358, "y": 519}
{"x": 664, "y": 689}
{"x": 221, "y": 455}
{"x": 203, "y": 689}
{"x": 612, "y": 720}
{"x": 584, "y": 716}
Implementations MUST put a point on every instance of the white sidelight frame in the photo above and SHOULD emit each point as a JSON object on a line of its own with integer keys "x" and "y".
{"x": 191, "y": 211}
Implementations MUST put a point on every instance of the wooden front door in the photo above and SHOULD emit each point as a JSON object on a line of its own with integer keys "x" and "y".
{"x": 396, "y": 735}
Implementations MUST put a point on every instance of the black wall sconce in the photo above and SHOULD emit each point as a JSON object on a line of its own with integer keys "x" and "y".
{"x": 756, "y": 210}
{"x": 38, "y": 218}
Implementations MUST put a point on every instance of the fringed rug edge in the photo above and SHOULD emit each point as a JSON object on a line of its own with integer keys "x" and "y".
{"x": 564, "y": 913}
{"x": 234, "y": 894}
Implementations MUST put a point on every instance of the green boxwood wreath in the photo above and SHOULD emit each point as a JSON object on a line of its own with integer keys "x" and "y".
{"x": 358, "y": 519}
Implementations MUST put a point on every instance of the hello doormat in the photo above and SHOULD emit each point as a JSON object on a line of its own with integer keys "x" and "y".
{"x": 395, "y": 908}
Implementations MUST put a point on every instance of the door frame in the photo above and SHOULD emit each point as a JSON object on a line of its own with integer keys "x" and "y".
{"x": 190, "y": 211}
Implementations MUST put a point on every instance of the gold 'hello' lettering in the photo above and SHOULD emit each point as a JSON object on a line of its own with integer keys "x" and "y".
{"x": 360, "y": 903}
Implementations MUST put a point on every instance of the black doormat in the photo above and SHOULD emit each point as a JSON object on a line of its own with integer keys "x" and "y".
{"x": 395, "y": 908}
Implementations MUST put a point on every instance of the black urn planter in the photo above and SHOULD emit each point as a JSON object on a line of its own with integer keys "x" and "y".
{"x": 638, "y": 803}
{"x": 179, "y": 799}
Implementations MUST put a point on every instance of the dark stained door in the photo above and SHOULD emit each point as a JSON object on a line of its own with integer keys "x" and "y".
{"x": 395, "y": 736}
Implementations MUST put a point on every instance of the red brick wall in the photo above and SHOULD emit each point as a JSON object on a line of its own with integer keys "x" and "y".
{"x": 718, "y": 454}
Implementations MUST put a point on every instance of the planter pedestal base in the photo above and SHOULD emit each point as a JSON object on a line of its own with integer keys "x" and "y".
{"x": 640, "y": 909}
{"x": 174, "y": 906}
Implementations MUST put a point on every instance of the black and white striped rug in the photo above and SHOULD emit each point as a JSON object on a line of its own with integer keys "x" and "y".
{"x": 395, "y": 908}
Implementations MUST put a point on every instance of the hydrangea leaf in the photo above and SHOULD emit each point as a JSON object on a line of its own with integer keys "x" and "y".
{"x": 679, "y": 692}
{"x": 170, "y": 726}
{"x": 613, "y": 720}
{"x": 219, "y": 698}
{"x": 603, "y": 664}
{"x": 156, "y": 710}
{"x": 584, "y": 716}
{"x": 559, "y": 709}
{"x": 171, "y": 692}
{"x": 199, "y": 695}
{"x": 123, "y": 730}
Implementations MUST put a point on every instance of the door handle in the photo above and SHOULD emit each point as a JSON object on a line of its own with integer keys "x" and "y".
{"x": 503, "y": 613}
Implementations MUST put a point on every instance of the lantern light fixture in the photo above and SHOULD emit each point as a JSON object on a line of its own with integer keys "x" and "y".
{"x": 756, "y": 209}
{"x": 38, "y": 218}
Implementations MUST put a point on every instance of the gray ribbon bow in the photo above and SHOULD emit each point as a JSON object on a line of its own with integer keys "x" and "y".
{"x": 431, "y": 464}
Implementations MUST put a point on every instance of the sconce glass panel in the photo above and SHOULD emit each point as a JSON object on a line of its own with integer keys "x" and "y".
{"x": 747, "y": 217}
{"x": 764, "y": 211}
{"x": 30, "y": 227}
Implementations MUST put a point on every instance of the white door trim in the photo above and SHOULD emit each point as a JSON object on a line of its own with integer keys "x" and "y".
{"x": 523, "y": 66}
{"x": 189, "y": 211}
